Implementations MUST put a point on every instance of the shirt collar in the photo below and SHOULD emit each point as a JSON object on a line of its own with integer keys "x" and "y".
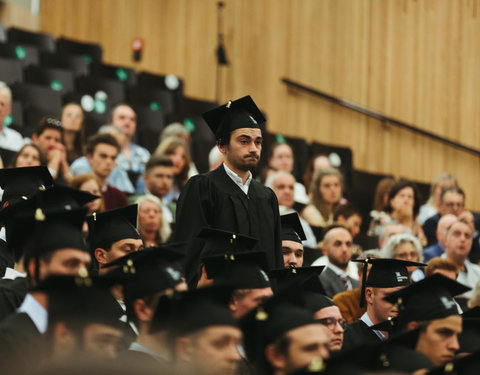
{"x": 237, "y": 179}
{"x": 366, "y": 319}
{"x": 12, "y": 274}
{"x": 140, "y": 348}
{"x": 35, "y": 311}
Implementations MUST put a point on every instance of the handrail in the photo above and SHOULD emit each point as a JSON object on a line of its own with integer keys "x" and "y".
{"x": 378, "y": 116}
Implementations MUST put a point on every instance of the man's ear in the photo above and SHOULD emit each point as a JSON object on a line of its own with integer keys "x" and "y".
{"x": 101, "y": 255}
{"x": 222, "y": 148}
{"x": 183, "y": 349}
{"x": 276, "y": 359}
{"x": 368, "y": 295}
{"x": 232, "y": 304}
{"x": 34, "y": 138}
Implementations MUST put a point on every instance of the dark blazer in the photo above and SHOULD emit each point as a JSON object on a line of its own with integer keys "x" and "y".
{"x": 357, "y": 334}
{"x": 432, "y": 252}
{"x": 333, "y": 284}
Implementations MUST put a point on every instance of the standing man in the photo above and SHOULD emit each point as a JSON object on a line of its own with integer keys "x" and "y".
{"x": 337, "y": 246}
{"x": 9, "y": 139}
{"x": 228, "y": 198}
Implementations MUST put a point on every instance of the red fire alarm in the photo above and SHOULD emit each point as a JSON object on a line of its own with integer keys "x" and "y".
{"x": 137, "y": 47}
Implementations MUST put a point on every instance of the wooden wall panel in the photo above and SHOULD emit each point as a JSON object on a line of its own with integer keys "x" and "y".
{"x": 415, "y": 60}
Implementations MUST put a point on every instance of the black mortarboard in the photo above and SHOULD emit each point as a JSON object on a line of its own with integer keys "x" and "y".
{"x": 242, "y": 270}
{"x": 22, "y": 183}
{"x": 385, "y": 273}
{"x": 270, "y": 320}
{"x": 467, "y": 365}
{"x": 292, "y": 228}
{"x": 237, "y": 114}
{"x": 190, "y": 311}
{"x": 428, "y": 299}
{"x": 50, "y": 232}
{"x": 307, "y": 277}
{"x": 111, "y": 226}
{"x": 83, "y": 298}
{"x": 316, "y": 301}
{"x": 469, "y": 339}
{"x": 218, "y": 241}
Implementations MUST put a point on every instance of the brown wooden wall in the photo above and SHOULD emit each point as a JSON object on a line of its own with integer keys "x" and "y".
{"x": 415, "y": 60}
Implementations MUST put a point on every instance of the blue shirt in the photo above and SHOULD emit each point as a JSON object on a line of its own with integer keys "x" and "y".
{"x": 138, "y": 158}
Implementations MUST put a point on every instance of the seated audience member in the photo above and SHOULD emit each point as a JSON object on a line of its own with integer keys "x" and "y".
{"x": 48, "y": 136}
{"x": 9, "y": 139}
{"x": 158, "y": 180}
{"x": 349, "y": 301}
{"x": 281, "y": 158}
{"x": 132, "y": 157}
{"x": 292, "y": 236}
{"x": 119, "y": 177}
{"x": 282, "y": 183}
{"x": 314, "y": 164}
{"x": 405, "y": 247}
{"x": 442, "y": 266}
{"x": 386, "y": 276}
{"x": 402, "y": 208}
{"x": 102, "y": 151}
{"x": 452, "y": 201}
{"x": 457, "y": 248}
{"x": 379, "y": 216}
{"x": 432, "y": 206}
{"x": 152, "y": 226}
{"x": 337, "y": 246}
{"x": 30, "y": 155}
{"x": 349, "y": 216}
{"x": 326, "y": 194}
{"x": 177, "y": 150}
{"x": 72, "y": 119}
{"x": 438, "y": 249}
{"x": 390, "y": 230}
{"x": 326, "y": 312}
{"x": 177, "y": 129}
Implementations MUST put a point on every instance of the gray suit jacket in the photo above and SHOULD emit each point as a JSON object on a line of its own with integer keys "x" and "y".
{"x": 333, "y": 284}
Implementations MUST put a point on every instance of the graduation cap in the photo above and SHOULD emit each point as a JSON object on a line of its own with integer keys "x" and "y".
{"x": 220, "y": 241}
{"x": 385, "y": 273}
{"x": 273, "y": 318}
{"x": 111, "y": 226}
{"x": 22, "y": 183}
{"x": 242, "y": 270}
{"x": 307, "y": 277}
{"x": 428, "y": 299}
{"x": 237, "y": 114}
{"x": 316, "y": 301}
{"x": 188, "y": 312}
{"x": 292, "y": 228}
{"x": 467, "y": 365}
{"x": 82, "y": 298}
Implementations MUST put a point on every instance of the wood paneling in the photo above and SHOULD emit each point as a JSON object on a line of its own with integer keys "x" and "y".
{"x": 414, "y": 60}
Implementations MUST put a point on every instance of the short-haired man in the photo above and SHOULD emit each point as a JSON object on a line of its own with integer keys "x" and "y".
{"x": 102, "y": 151}
{"x": 438, "y": 249}
{"x": 457, "y": 248}
{"x": 348, "y": 215}
{"x": 292, "y": 237}
{"x": 442, "y": 266}
{"x": 283, "y": 183}
{"x": 48, "y": 136}
{"x": 9, "y": 139}
{"x": 159, "y": 176}
{"x": 452, "y": 201}
{"x": 229, "y": 198}
{"x": 337, "y": 246}
{"x": 132, "y": 156}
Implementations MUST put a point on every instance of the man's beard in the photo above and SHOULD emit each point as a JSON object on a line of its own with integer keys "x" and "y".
{"x": 248, "y": 163}
{"x": 342, "y": 266}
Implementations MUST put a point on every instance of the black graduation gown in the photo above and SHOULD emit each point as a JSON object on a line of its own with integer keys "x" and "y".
{"x": 12, "y": 293}
{"x": 22, "y": 346}
{"x": 357, "y": 334}
{"x": 214, "y": 200}
{"x": 136, "y": 358}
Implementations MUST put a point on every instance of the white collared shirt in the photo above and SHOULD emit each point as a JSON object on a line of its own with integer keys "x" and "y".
{"x": 136, "y": 347}
{"x": 12, "y": 274}
{"x": 36, "y": 312}
{"x": 238, "y": 181}
{"x": 366, "y": 319}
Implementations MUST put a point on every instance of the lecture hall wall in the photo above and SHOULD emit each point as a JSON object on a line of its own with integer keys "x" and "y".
{"x": 415, "y": 60}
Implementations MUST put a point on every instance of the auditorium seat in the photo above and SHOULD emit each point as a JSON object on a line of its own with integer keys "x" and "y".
{"x": 154, "y": 98}
{"x": 75, "y": 63}
{"x": 38, "y": 96}
{"x": 11, "y": 70}
{"x": 28, "y": 55}
{"x": 150, "y": 124}
{"x": 91, "y": 52}
{"x": 44, "y": 42}
{"x": 169, "y": 83}
{"x": 61, "y": 80}
{"x": 115, "y": 90}
{"x": 115, "y": 72}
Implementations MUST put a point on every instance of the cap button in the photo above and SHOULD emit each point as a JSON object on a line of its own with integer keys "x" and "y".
{"x": 229, "y": 104}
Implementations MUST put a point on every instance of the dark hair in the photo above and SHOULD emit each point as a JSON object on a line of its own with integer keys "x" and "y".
{"x": 272, "y": 148}
{"x": 115, "y": 107}
{"x": 452, "y": 189}
{"x": 317, "y": 199}
{"x": 402, "y": 184}
{"x": 383, "y": 188}
{"x": 41, "y": 155}
{"x": 158, "y": 161}
{"x": 309, "y": 171}
{"x": 96, "y": 139}
{"x": 48, "y": 123}
{"x": 346, "y": 210}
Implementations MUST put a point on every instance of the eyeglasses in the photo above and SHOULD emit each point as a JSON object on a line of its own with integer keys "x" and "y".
{"x": 332, "y": 322}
